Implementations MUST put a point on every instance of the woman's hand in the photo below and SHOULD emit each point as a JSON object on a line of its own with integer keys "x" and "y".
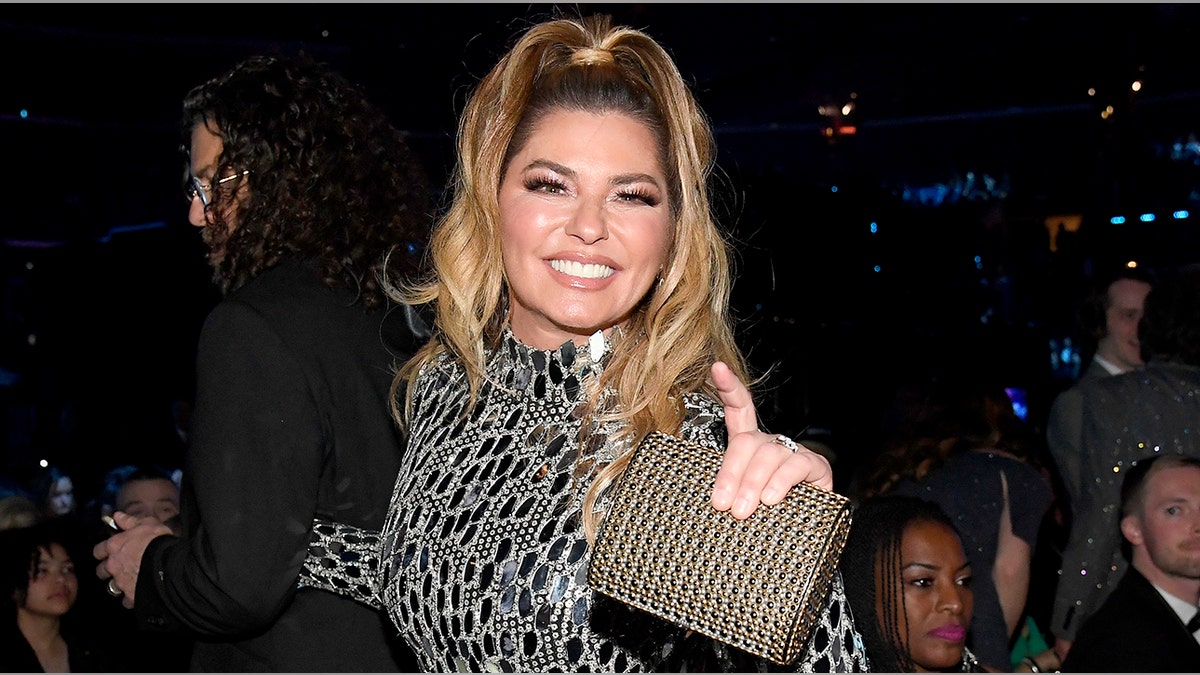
{"x": 120, "y": 555}
{"x": 758, "y": 467}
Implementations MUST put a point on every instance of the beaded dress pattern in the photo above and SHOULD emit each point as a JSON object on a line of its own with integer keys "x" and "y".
{"x": 484, "y": 559}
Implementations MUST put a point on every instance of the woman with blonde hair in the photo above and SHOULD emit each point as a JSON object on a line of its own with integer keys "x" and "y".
{"x": 580, "y": 289}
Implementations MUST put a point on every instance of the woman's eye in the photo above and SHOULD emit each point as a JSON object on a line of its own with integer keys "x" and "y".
{"x": 1172, "y": 510}
{"x": 638, "y": 196}
{"x": 545, "y": 185}
{"x": 922, "y": 582}
{"x": 966, "y": 581}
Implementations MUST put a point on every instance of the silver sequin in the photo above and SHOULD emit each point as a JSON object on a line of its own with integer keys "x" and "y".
{"x": 491, "y": 493}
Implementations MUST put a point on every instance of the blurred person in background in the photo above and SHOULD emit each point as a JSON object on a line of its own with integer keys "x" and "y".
{"x": 43, "y": 629}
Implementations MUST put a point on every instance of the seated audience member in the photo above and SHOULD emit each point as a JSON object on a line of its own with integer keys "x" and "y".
{"x": 149, "y": 491}
{"x": 144, "y": 491}
{"x": 41, "y": 631}
{"x": 1150, "y": 622}
{"x": 963, "y": 448}
{"x": 1127, "y": 418}
{"x": 56, "y": 491}
{"x": 908, "y": 582}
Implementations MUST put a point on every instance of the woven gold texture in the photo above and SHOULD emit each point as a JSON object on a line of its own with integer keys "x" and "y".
{"x": 756, "y": 584}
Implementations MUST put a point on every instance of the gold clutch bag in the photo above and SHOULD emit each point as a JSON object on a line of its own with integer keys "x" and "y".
{"x": 757, "y": 584}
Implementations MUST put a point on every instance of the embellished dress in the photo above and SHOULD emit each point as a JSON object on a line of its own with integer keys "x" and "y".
{"x": 484, "y": 558}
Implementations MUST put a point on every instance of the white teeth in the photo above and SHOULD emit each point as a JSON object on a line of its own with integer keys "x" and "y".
{"x": 588, "y": 271}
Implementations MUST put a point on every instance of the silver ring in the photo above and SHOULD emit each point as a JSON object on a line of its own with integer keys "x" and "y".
{"x": 112, "y": 588}
{"x": 786, "y": 442}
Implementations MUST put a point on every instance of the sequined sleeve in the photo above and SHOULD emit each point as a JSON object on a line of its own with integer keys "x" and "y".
{"x": 343, "y": 559}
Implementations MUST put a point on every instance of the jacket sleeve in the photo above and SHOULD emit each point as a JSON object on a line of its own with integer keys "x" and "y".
{"x": 257, "y": 448}
{"x": 1064, "y": 429}
{"x": 1092, "y": 560}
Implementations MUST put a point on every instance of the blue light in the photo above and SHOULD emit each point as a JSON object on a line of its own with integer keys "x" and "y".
{"x": 978, "y": 260}
{"x": 1146, "y": 217}
{"x": 875, "y": 226}
{"x": 1180, "y": 215}
{"x": 877, "y": 268}
{"x": 24, "y": 113}
{"x": 1117, "y": 220}
{"x": 833, "y": 189}
{"x": 758, "y": 307}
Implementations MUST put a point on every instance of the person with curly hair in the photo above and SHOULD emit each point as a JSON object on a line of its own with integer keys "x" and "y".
{"x": 581, "y": 290}
{"x": 303, "y": 191}
{"x": 44, "y": 629}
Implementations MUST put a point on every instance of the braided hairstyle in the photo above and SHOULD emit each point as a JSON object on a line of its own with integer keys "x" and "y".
{"x": 871, "y": 567}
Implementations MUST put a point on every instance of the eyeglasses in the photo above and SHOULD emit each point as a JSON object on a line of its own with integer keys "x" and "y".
{"x": 195, "y": 188}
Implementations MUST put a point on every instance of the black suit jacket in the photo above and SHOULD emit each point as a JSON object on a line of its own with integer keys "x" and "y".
{"x": 291, "y": 421}
{"x": 1134, "y": 631}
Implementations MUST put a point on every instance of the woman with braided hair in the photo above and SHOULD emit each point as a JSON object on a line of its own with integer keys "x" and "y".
{"x": 909, "y": 585}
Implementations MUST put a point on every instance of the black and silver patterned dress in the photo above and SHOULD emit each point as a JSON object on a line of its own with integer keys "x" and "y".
{"x": 484, "y": 558}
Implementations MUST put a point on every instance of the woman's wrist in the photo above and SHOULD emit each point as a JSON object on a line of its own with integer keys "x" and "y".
{"x": 1045, "y": 662}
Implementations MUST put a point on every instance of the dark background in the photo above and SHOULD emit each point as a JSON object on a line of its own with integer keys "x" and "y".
{"x": 975, "y": 133}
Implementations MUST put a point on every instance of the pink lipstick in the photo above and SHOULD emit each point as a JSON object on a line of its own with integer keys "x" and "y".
{"x": 950, "y": 632}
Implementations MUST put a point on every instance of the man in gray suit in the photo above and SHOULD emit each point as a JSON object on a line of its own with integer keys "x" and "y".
{"x": 1127, "y": 417}
{"x": 1109, "y": 317}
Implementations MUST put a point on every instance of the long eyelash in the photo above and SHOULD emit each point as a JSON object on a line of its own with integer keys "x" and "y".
{"x": 644, "y": 195}
{"x": 537, "y": 182}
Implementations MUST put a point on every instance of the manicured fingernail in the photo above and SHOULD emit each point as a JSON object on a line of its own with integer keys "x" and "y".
{"x": 769, "y": 494}
{"x": 742, "y": 505}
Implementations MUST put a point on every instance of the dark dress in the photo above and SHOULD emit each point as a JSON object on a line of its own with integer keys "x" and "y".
{"x": 968, "y": 489}
{"x": 84, "y": 654}
{"x": 291, "y": 423}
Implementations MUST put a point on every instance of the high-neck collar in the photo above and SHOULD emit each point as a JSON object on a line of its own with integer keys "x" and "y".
{"x": 524, "y": 369}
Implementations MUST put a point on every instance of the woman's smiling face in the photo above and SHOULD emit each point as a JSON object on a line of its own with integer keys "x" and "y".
{"x": 585, "y": 225}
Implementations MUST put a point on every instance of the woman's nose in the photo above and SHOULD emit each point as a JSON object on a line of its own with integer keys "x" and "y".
{"x": 951, "y": 599}
{"x": 588, "y": 223}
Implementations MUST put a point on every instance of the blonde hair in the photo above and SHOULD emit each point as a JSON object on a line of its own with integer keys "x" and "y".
{"x": 683, "y": 325}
